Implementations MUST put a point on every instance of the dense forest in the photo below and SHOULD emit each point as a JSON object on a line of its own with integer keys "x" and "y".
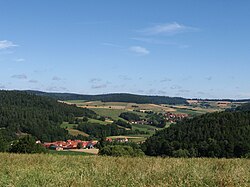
{"x": 119, "y": 97}
{"x": 224, "y": 134}
{"x": 38, "y": 116}
{"x": 244, "y": 107}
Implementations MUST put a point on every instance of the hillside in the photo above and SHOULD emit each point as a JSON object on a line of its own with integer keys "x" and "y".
{"x": 117, "y": 97}
{"x": 56, "y": 170}
{"x": 23, "y": 113}
{"x": 223, "y": 134}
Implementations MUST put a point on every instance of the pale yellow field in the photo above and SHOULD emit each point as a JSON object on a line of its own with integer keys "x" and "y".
{"x": 122, "y": 106}
{"x": 19, "y": 170}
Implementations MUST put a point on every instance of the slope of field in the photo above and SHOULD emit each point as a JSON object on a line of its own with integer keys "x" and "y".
{"x": 121, "y": 106}
{"x": 194, "y": 107}
{"x": 57, "y": 170}
{"x": 113, "y": 113}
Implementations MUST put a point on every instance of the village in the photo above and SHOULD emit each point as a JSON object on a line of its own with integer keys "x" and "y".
{"x": 83, "y": 146}
{"x": 172, "y": 117}
{"x": 168, "y": 116}
{"x": 79, "y": 145}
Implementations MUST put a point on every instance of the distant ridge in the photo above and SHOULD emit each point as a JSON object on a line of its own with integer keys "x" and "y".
{"x": 114, "y": 97}
{"x": 226, "y": 100}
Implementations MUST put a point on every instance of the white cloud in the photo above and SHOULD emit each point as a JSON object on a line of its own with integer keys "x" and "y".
{"x": 21, "y": 76}
{"x": 95, "y": 80}
{"x": 19, "y": 60}
{"x": 33, "y": 81}
{"x": 161, "y": 42}
{"x": 166, "y": 80}
{"x": 139, "y": 50}
{"x": 55, "y": 78}
{"x": 168, "y": 29}
{"x": 55, "y": 88}
{"x": 99, "y": 86}
{"x": 209, "y": 78}
{"x": 5, "y": 44}
{"x": 111, "y": 44}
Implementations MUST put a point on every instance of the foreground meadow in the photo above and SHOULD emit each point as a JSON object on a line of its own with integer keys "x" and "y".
{"x": 57, "y": 170}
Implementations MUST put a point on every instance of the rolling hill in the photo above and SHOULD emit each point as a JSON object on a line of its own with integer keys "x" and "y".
{"x": 116, "y": 97}
{"x": 219, "y": 134}
{"x": 41, "y": 117}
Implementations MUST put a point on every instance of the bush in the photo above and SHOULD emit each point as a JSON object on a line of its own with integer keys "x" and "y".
{"x": 27, "y": 144}
{"x": 129, "y": 116}
{"x": 247, "y": 156}
{"x": 120, "y": 150}
{"x": 123, "y": 124}
{"x": 181, "y": 153}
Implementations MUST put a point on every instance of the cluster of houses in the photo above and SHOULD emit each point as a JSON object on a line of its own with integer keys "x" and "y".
{"x": 69, "y": 144}
{"x": 171, "y": 117}
{"x": 121, "y": 140}
{"x": 142, "y": 122}
{"x": 77, "y": 144}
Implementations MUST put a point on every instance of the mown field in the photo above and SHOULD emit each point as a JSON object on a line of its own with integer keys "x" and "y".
{"x": 113, "y": 113}
{"x": 57, "y": 170}
{"x": 113, "y": 109}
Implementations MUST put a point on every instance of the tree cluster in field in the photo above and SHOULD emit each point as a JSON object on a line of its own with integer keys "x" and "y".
{"x": 103, "y": 142}
{"x": 130, "y": 116}
{"x": 27, "y": 144}
{"x": 123, "y": 124}
{"x": 117, "y": 148}
{"x": 243, "y": 107}
{"x": 152, "y": 118}
{"x": 156, "y": 119}
{"x": 224, "y": 134}
{"x": 119, "y": 97}
{"x": 120, "y": 150}
{"x": 97, "y": 130}
{"x": 38, "y": 116}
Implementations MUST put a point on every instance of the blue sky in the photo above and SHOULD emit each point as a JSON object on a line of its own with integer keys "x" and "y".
{"x": 194, "y": 49}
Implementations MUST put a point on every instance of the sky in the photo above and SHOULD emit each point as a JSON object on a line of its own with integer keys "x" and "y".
{"x": 184, "y": 48}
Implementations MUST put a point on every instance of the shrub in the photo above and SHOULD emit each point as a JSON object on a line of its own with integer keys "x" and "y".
{"x": 120, "y": 150}
{"x": 181, "y": 153}
{"x": 27, "y": 144}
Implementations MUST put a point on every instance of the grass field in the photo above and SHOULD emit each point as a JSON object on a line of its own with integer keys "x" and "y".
{"x": 77, "y": 171}
{"x": 113, "y": 109}
{"x": 120, "y": 106}
{"x": 54, "y": 152}
{"x": 113, "y": 113}
{"x": 146, "y": 128}
{"x": 98, "y": 121}
{"x": 72, "y": 131}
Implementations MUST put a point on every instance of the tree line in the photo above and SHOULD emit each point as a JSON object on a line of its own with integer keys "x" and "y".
{"x": 119, "y": 97}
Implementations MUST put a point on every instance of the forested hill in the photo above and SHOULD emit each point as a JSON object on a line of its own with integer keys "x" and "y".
{"x": 224, "y": 134}
{"x": 244, "y": 107}
{"x": 41, "y": 117}
{"x": 117, "y": 97}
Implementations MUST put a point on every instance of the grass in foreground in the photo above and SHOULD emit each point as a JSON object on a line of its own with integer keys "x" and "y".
{"x": 55, "y": 170}
{"x": 54, "y": 152}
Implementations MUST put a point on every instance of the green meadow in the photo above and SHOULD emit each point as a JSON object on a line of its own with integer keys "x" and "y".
{"x": 77, "y": 171}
